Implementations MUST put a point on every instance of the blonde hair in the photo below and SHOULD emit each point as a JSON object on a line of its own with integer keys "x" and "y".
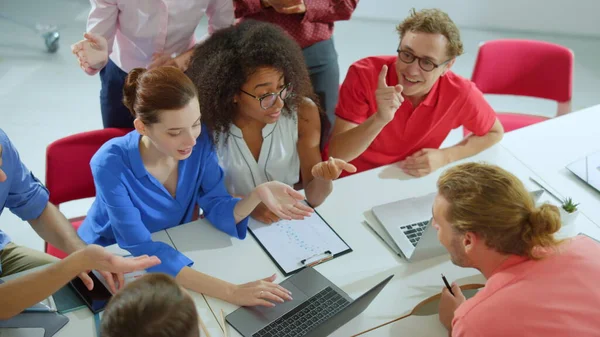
{"x": 433, "y": 21}
{"x": 491, "y": 202}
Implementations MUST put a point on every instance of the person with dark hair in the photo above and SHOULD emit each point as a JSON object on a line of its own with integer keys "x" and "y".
{"x": 152, "y": 306}
{"x": 537, "y": 285}
{"x": 257, "y": 98}
{"x": 310, "y": 24}
{"x": 154, "y": 177}
{"x": 401, "y": 108}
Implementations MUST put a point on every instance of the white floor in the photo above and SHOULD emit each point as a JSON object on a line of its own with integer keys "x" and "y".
{"x": 44, "y": 97}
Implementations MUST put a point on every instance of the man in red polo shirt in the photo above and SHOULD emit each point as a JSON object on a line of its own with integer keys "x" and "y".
{"x": 401, "y": 108}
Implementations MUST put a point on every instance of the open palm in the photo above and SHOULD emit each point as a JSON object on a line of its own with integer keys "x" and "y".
{"x": 113, "y": 266}
{"x": 283, "y": 200}
{"x": 92, "y": 53}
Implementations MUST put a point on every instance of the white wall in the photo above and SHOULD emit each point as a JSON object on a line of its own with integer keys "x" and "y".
{"x": 574, "y": 17}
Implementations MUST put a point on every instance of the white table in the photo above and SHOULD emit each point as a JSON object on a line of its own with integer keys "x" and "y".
{"x": 522, "y": 152}
{"x": 548, "y": 147}
{"x": 371, "y": 261}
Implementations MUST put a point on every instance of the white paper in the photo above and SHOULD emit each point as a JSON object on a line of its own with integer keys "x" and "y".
{"x": 291, "y": 241}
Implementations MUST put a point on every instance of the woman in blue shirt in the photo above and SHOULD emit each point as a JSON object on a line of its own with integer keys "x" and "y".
{"x": 154, "y": 177}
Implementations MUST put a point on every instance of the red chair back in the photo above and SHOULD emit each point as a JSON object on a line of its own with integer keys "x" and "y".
{"x": 525, "y": 68}
{"x": 68, "y": 173}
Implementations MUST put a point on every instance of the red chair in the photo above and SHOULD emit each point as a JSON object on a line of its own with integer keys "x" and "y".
{"x": 68, "y": 173}
{"x": 525, "y": 68}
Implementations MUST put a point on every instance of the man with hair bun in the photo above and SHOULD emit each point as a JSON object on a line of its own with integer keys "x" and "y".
{"x": 536, "y": 285}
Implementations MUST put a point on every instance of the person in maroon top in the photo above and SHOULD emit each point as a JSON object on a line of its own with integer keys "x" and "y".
{"x": 401, "y": 108}
{"x": 310, "y": 23}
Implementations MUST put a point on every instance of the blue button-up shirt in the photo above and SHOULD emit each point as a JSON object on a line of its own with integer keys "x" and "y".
{"x": 22, "y": 193}
{"x": 131, "y": 204}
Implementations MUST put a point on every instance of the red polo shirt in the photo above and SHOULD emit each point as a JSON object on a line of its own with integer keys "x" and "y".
{"x": 452, "y": 102}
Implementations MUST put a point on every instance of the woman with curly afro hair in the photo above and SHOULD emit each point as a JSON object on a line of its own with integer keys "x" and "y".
{"x": 255, "y": 95}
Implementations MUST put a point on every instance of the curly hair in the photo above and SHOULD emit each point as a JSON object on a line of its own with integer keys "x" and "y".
{"x": 433, "y": 21}
{"x": 224, "y": 62}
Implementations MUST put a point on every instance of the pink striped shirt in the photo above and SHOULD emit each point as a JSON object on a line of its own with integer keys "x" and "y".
{"x": 556, "y": 296}
{"x": 135, "y": 29}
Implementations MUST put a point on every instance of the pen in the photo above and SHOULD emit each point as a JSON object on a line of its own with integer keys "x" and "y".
{"x": 327, "y": 252}
{"x": 447, "y": 285}
{"x": 225, "y": 333}
{"x": 312, "y": 264}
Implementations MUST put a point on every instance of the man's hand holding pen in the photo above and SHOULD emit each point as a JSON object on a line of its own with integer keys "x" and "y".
{"x": 449, "y": 303}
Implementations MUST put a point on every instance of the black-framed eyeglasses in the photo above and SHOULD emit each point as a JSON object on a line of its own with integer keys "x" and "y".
{"x": 425, "y": 64}
{"x": 268, "y": 100}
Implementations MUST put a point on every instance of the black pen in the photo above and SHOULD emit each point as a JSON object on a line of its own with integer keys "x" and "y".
{"x": 447, "y": 285}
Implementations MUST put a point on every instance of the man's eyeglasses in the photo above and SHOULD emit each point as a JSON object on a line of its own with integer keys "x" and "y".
{"x": 425, "y": 64}
{"x": 268, "y": 100}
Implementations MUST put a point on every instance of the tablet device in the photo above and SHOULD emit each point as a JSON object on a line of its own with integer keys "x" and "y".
{"x": 97, "y": 298}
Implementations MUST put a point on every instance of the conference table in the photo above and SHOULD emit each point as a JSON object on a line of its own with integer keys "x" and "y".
{"x": 370, "y": 262}
{"x": 540, "y": 151}
{"x": 548, "y": 147}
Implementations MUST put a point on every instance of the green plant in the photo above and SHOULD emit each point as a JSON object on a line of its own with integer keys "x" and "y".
{"x": 569, "y": 206}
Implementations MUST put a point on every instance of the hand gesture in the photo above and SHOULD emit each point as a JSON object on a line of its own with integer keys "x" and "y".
{"x": 449, "y": 303}
{"x": 262, "y": 292}
{"x": 388, "y": 99}
{"x": 331, "y": 169}
{"x": 283, "y": 200}
{"x": 159, "y": 60}
{"x": 263, "y": 214}
{"x": 423, "y": 162}
{"x": 112, "y": 266}
{"x": 92, "y": 53}
{"x": 162, "y": 60}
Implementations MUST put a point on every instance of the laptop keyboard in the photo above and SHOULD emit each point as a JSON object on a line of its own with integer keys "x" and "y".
{"x": 300, "y": 320}
{"x": 415, "y": 231}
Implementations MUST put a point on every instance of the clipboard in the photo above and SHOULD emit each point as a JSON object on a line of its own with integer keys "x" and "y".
{"x": 295, "y": 244}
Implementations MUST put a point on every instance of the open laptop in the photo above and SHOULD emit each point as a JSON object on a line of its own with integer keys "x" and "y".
{"x": 405, "y": 226}
{"x": 319, "y": 308}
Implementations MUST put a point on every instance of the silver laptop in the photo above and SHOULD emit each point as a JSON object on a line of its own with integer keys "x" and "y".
{"x": 405, "y": 226}
{"x": 319, "y": 308}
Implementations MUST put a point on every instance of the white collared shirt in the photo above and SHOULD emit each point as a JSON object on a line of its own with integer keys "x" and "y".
{"x": 278, "y": 159}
